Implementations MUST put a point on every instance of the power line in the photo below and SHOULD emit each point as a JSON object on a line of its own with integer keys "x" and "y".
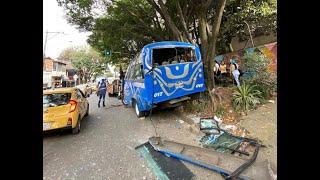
{"x": 46, "y": 40}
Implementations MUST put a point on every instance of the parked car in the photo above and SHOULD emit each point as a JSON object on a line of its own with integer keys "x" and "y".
{"x": 64, "y": 108}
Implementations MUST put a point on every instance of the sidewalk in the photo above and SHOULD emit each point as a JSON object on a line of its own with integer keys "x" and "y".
{"x": 262, "y": 124}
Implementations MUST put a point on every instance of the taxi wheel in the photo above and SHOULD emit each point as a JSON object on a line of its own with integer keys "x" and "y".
{"x": 87, "y": 113}
{"x": 77, "y": 129}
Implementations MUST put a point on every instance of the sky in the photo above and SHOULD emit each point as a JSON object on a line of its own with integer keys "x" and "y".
{"x": 54, "y": 21}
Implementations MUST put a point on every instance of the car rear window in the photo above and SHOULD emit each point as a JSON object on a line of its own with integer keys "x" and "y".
{"x": 57, "y": 99}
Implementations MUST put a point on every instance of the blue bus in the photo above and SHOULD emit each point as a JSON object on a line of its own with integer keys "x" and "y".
{"x": 163, "y": 73}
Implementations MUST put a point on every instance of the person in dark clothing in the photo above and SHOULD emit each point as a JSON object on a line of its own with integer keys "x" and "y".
{"x": 102, "y": 89}
{"x": 122, "y": 75}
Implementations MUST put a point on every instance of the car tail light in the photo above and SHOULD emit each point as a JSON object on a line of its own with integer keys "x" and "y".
{"x": 69, "y": 121}
{"x": 73, "y": 105}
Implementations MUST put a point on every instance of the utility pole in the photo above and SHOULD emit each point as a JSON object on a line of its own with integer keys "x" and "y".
{"x": 46, "y": 40}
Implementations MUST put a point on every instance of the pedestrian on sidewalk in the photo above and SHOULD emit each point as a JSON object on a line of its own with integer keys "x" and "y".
{"x": 102, "y": 90}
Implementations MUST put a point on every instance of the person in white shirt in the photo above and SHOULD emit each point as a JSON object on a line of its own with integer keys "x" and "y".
{"x": 234, "y": 69}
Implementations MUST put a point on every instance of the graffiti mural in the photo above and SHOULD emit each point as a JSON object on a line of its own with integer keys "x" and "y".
{"x": 268, "y": 50}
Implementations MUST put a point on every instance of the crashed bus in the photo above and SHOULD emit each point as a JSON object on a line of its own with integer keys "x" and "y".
{"x": 163, "y": 73}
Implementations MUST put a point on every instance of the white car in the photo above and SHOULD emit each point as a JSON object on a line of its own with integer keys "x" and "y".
{"x": 85, "y": 88}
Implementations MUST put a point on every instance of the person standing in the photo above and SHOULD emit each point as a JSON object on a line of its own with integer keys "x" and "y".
{"x": 102, "y": 90}
{"x": 122, "y": 75}
{"x": 234, "y": 69}
{"x": 223, "y": 69}
{"x": 216, "y": 68}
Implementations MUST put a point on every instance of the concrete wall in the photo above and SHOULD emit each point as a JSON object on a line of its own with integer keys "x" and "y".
{"x": 257, "y": 41}
{"x": 268, "y": 50}
{"x": 49, "y": 73}
{"x": 47, "y": 64}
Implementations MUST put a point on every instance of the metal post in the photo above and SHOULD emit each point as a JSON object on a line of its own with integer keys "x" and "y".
{"x": 45, "y": 42}
{"x": 249, "y": 33}
{"x": 45, "y": 45}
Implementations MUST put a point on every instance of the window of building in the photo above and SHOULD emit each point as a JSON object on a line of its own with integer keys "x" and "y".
{"x": 55, "y": 66}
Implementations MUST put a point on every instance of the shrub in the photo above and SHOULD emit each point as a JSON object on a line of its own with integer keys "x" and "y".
{"x": 246, "y": 97}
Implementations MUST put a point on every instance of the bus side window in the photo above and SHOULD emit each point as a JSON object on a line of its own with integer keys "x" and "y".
{"x": 131, "y": 73}
{"x": 128, "y": 75}
{"x": 138, "y": 72}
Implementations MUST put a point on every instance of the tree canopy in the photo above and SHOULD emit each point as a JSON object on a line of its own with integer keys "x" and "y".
{"x": 125, "y": 26}
{"x": 86, "y": 60}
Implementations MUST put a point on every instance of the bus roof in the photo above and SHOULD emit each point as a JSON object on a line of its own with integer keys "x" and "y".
{"x": 168, "y": 44}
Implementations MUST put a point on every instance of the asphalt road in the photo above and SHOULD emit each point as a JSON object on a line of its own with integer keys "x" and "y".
{"x": 104, "y": 149}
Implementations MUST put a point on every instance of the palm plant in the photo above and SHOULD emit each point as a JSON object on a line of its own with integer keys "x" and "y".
{"x": 245, "y": 97}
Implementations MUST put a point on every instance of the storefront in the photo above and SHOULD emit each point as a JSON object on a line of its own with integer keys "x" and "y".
{"x": 56, "y": 81}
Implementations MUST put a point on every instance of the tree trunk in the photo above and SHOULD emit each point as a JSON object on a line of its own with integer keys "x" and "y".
{"x": 204, "y": 50}
{"x": 184, "y": 23}
{"x": 210, "y": 47}
{"x": 175, "y": 33}
{"x": 196, "y": 32}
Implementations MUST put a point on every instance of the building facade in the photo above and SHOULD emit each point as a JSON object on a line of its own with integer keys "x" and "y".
{"x": 54, "y": 72}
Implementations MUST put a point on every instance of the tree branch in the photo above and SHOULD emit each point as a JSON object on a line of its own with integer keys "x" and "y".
{"x": 217, "y": 23}
{"x": 184, "y": 24}
{"x": 196, "y": 33}
{"x": 168, "y": 21}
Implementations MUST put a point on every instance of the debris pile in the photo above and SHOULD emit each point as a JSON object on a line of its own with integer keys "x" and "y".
{"x": 224, "y": 138}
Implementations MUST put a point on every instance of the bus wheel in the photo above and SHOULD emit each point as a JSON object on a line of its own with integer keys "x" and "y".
{"x": 138, "y": 113}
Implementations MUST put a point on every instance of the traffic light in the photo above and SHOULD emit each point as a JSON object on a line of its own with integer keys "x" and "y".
{"x": 107, "y": 53}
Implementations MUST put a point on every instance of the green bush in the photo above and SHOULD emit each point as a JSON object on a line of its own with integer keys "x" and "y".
{"x": 256, "y": 65}
{"x": 246, "y": 97}
{"x": 109, "y": 74}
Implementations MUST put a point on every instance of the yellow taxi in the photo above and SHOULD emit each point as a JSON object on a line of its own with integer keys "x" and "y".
{"x": 64, "y": 108}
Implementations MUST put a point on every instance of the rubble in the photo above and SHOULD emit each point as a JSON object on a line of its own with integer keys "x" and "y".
{"x": 209, "y": 126}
